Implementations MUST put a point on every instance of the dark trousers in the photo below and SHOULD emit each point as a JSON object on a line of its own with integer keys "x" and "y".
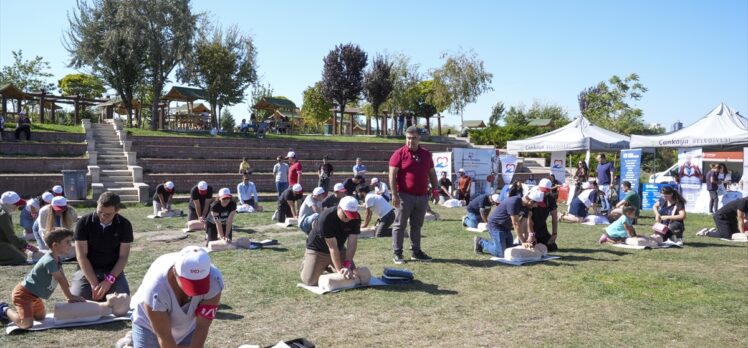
{"x": 284, "y": 211}
{"x": 212, "y": 231}
{"x": 674, "y": 228}
{"x": 23, "y": 129}
{"x": 81, "y": 287}
{"x": 543, "y": 237}
{"x": 713, "y": 201}
{"x": 727, "y": 224}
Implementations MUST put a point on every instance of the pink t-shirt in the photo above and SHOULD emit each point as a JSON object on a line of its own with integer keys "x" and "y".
{"x": 294, "y": 172}
{"x": 413, "y": 170}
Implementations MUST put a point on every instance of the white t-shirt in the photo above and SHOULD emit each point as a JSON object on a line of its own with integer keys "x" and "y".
{"x": 281, "y": 172}
{"x": 306, "y": 207}
{"x": 378, "y": 204}
{"x": 584, "y": 196}
{"x": 158, "y": 294}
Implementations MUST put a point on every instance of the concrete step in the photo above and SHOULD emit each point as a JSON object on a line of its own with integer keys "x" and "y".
{"x": 117, "y": 184}
{"x": 111, "y": 156}
{"x": 116, "y": 172}
{"x": 112, "y": 167}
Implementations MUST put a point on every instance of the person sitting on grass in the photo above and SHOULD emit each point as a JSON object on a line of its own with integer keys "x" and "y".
{"x": 201, "y": 196}
{"x": 383, "y": 209}
{"x": 581, "y": 202}
{"x": 619, "y": 230}
{"x": 670, "y": 210}
{"x": 11, "y": 247}
{"x": 479, "y": 208}
{"x": 310, "y": 209}
{"x": 502, "y": 220}
{"x": 57, "y": 214}
{"x": 163, "y": 197}
{"x": 28, "y": 216}
{"x": 630, "y": 198}
{"x": 38, "y": 285}
{"x": 220, "y": 221}
{"x": 247, "y": 192}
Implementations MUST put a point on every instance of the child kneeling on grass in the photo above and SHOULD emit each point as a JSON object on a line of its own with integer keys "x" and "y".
{"x": 619, "y": 230}
{"x": 41, "y": 282}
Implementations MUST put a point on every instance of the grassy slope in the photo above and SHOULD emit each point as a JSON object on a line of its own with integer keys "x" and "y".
{"x": 593, "y": 296}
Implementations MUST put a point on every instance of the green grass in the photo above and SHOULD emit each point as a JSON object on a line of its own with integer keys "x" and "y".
{"x": 593, "y": 296}
{"x": 49, "y": 127}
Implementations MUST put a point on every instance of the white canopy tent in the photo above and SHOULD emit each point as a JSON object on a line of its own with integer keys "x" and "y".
{"x": 579, "y": 135}
{"x": 721, "y": 128}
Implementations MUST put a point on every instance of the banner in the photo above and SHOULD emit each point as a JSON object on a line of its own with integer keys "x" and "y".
{"x": 558, "y": 165}
{"x": 690, "y": 175}
{"x": 630, "y": 168}
{"x": 744, "y": 178}
{"x": 477, "y": 164}
{"x": 651, "y": 193}
{"x": 508, "y": 167}
{"x": 442, "y": 163}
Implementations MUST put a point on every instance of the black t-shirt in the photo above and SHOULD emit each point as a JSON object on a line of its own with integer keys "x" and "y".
{"x": 712, "y": 175}
{"x": 103, "y": 243}
{"x": 288, "y": 195}
{"x": 350, "y": 186}
{"x": 195, "y": 195}
{"x": 326, "y": 170}
{"x": 478, "y": 203}
{"x": 160, "y": 189}
{"x": 223, "y": 212}
{"x": 329, "y": 225}
{"x": 444, "y": 182}
{"x": 331, "y": 201}
{"x": 731, "y": 209}
{"x": 541, "y": 212}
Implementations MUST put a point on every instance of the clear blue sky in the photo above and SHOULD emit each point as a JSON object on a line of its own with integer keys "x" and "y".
{"x": 692, "y": 55}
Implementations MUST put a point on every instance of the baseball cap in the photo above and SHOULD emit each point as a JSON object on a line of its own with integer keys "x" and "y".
{"x": 47, "y": 197}
{"x": 545, "y": 185}
{"x": 57, "y": 190}
{"x": 296, "y": 188}
{"x": 339, "y": 188}
{"x": 193, "y": 270}
{"x": 535, "y": 195}
{"x": 202, "y": 186}
{"x": 318, "y": 191}
{"x": 291, "y": 154}
{"x": 495, "y": 197}
{"x": 461, "y": 170}
{"x": 224, "y": 192}
{"x": 350, "y": 207}
{"x": 11, "y": 197}
{"x": 33, "y": 203}
{"x": 169, "y": 185}
{"x": 59, "y": 203}
{"x": 374, "y": 181}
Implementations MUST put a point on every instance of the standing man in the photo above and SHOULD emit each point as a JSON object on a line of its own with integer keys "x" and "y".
{"x": 102, "y": 246}
{"x": 605, "y": 178}
{"x": 463, "y": 186}
{"x": 280, "y": 172}
{"x": 359, "y": 168}
{"x": 410, "y": 165}
{"x": 325, "y": 173}
{"x": 294, "y": 169}
{"x": 712, "y": 184}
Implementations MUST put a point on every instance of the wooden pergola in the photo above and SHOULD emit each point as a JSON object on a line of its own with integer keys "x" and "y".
{"x": 111, "y": 106}
{"x": 353, "y": 112}
{"x": 45, "y": 100}
{"x": 282, "y": 109}
{"x": 183, "y": 94}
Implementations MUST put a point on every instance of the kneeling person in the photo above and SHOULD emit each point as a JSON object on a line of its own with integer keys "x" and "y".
{"x": 310, "y": 209}
{"x": 177, "y": 301}
{"x": 479, "y": 208}
{"x": 509, "y": 215}
{"x": 326, "y": 244}
{"x": 384, "y": 210}
{"x": 220, "y": 222}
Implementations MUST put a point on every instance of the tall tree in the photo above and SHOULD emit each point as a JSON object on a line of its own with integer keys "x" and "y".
{"x": 405, "y": 85}
{"x": 258, "y": 92}
{"x": 343, "y": 75}
{"x": 607, "y": 104}
{"x": 464, "y": 78}
{"x": 316, "y": 109}
{"x": 170, "y": 27}
{"x": 27, "y": 75}
{"x": 378, "y": 84}
{"x": 497, "y": 113}
{"x": 223, "y": 65}
{"x": 106, "y": 36}
{"x": 84, "y": 85}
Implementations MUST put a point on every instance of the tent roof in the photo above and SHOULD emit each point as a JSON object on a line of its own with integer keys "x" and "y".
{"x": 579, "y": 135}
{"x": 720, "y": 128}
{"x": 474, "y": 124}
{"x": 11, "y": 91}
{"x": 184, "y": 94}
{"x": 197, "y": 108}
{"x": 270, "y": 103}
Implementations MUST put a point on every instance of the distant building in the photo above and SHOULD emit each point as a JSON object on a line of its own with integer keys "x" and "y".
{"x": 678, "y": 125}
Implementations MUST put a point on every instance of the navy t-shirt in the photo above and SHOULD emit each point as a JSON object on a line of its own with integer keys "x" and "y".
{"x": 482, "y": 201}
{"x": 603, "y": 173}
{"x": 329, "y": 225}
{"x": 501, "y": 217}
{"x": 712, "y": 175}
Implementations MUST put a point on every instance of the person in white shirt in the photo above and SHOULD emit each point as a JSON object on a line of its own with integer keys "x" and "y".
{"x": 280, "y": 172}
{"x": 379, "y": 188}
{"x": 247, "y": 192}
{"x": 382, "y": 208}
{"x": 177, "y": 300}
{"x": 310, "y": 209}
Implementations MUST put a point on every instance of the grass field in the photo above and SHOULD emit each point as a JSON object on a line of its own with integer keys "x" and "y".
{"x": 593, "y": 296}
{"x": 48, "y": 127}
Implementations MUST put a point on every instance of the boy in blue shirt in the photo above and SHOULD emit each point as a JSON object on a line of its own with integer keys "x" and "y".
{"x": 39, "y": 284}
{"x": 619, "y": 230}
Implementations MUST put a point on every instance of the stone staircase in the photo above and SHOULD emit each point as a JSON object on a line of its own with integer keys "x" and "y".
{"x": 114, "y": 174}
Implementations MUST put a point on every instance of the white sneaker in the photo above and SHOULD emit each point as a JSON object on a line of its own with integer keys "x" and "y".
{"x": 679, "y": 242}
{"x": 702, "y": 232}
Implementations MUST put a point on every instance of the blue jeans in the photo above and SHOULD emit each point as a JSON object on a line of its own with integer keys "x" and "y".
{"x": 306, "y": 223}
{"x": 280, "y": 187}
{"x": 144, "y": 338}
{"x": 604, "y": 200}
{"x": 500, "y": 240}
{"x": 38, "y": 236}
{"x": 472, "y": 220}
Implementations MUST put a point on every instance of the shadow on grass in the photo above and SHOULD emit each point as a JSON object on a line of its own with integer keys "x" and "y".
{"x": 576, "y": 258}
{"x": 275, "y": 249}
{"x": 590, "y": 251}
{"x": 416, "y": 285}
{"x": 468, "y": 262}
{"x": 245, "y": 230}
{"x": 717, "y": 245}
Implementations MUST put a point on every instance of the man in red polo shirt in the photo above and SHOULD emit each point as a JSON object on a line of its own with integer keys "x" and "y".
{"x": 294, "y": 169}
{"x": 410, "y": 165}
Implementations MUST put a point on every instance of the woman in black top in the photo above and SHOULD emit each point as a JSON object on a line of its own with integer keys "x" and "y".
{"x": 220, "y": 221}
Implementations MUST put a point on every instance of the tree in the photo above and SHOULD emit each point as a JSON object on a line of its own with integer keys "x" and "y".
{"x": 463, "y": 78}
{"x": 606, "y": 104}
{"x": 316, "y": 109}
{"x": 343, "y": 75}
{"x": 516, "y": 116}
{"x": 258, "y": 92}
{"x": 496, "y": 114}
{"x": 378, "y": 84}
{"x": 169, "y": 30}
{"x": 85, "y": 85}
{"x": 107, "y": 37}
{"x": 223, "y": 66}
{"x": 27, "y": 75}
{"x": 405, "y": 85}
{"x": 227, "y": 122}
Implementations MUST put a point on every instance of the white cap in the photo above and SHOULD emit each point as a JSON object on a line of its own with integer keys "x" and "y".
{"x": 461, "y": 170}
{"x": 32, "y": 203}
{"x": 586, "y": 186}
{"x": 202, "y": 186}
{"x": 296, "y": 188}
{"x": 350, "y": 207}
{"x": 59, "y": 203}
{"x": 374, "y": 181}
{"x": 193, "y": 270}
{"x": 291, "y": 154}
{"x": 224, "y": 192}
{"x": 11, "y": 197}
{"x": 545, "y": 185}
{"x": 495, "y": 197}
{"x": 57, "y": 189}
{"x": 47, "y": 197}
{"x": 535, "y": 194}
{"x": 170, "y": 185}
{"x": 318, "y": 191}
{"x": 339, "y": 187}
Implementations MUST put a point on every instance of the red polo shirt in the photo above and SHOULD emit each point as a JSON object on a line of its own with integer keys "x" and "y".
{"x": 294, "y": 171}
{"x": 414, "y": 167}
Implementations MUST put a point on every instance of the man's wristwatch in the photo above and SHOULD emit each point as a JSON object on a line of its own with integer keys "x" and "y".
{"x": 110, "y": 279}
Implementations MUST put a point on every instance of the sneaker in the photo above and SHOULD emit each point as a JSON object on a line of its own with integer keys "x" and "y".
{"x": 3, "y": 307}
{"x": 419, "y": 255}
{"x": 477, "y": 248}
{"x": 702, "y": 231}
{"x": 398, "y": 259}
{"x": 679, "y": 242}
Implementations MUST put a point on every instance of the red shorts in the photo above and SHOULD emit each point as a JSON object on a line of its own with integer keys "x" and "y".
{"x": 28, "y": 304}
